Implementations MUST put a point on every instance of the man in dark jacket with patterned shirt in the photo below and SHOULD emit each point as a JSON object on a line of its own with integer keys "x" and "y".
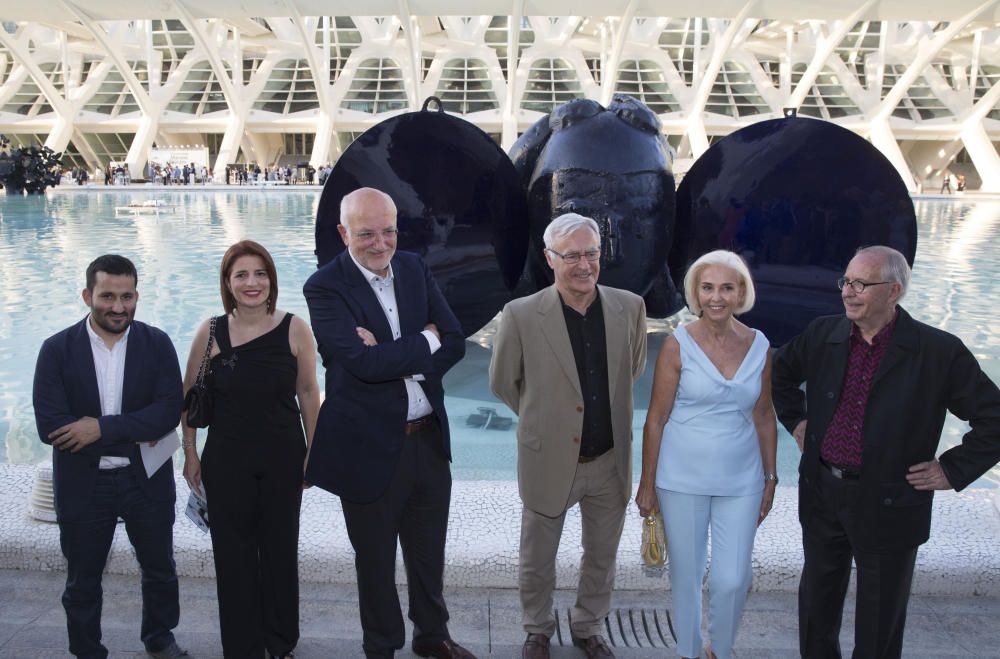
{"x": 878, "y": 385}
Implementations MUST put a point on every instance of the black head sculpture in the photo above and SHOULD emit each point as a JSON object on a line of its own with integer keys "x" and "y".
{"x": 612, "y": 165}
{"x": 795, "y": 197}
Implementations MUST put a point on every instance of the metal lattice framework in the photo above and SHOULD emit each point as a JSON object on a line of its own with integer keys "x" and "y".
{"x": 111, "y": 80}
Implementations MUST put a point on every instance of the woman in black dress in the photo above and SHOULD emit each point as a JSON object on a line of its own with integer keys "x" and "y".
{"x": 262, "y": 360}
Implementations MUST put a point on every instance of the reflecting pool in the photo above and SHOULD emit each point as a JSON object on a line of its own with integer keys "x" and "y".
{"x": 47, "y": 242}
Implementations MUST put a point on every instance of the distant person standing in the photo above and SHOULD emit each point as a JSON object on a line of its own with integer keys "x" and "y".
{"x": 103, "y": 387}
{"x": 868, "y": 422}
{"x": 946, "y": 183}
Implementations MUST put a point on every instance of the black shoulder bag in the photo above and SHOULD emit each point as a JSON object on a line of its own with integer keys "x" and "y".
{"x": 198, "y": 400}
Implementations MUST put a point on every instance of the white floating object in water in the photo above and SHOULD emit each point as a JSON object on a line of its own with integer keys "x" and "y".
{"x": 42, "y": 503}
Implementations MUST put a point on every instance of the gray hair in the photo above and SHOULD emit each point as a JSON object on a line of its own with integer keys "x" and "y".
{"x": 894, "y": 266}
{"x": 727, "y": 259}
{"x": 566, "y": 224}
{"x": 355, "y": 197}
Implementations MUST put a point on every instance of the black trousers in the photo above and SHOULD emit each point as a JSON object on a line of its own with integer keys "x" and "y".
{"x": 254, "y": 492}
{"x": 85, "y": 544}
{"x": 413, "y": 509}
{"x": 883, "y": 579}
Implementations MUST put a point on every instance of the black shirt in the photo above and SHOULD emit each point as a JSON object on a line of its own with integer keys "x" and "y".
{"x": 586, "y": 335}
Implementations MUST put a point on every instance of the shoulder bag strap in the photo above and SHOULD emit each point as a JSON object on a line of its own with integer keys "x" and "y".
{"x": 203, "y": 370}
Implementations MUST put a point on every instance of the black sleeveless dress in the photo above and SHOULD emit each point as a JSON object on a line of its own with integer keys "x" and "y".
{"x": 252, "y": 473}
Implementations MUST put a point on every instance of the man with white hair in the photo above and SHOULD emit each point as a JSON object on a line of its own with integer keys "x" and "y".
{"x": 878, "y": 384}
{"x": 565, "y": 360}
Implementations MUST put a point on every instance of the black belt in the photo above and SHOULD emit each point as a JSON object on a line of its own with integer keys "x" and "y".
{"x": 417, "y": 425}
{"x": 584, "y": 459}
{"x": 843, "y": 473}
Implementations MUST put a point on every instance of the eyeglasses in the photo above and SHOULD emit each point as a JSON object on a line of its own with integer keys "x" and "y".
{"x": 387, "y": 234}
{"x": 858, "y": 285}
{"x": 574, "y": 257}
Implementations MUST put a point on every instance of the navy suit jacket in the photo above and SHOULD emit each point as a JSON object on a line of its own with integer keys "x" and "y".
{"x": 65, "y": 390}
{"x": 362, "y": 422}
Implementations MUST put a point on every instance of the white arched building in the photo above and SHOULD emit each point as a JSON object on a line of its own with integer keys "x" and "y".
{"x": 273, "y": 81}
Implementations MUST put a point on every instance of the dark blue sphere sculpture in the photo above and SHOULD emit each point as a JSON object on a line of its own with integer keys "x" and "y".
{"x": 459, "y": 204}
{"x": 795, "y": 197}
{"x": 612, "y": 165}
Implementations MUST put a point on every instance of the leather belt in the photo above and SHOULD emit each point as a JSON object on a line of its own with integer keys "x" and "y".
{"x": 843, "y": 473}
{"x": 584, "y": 459}
{"x": 417, "y": 425}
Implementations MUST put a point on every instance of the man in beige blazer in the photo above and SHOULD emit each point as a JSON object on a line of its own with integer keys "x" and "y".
{"x": 565, "y": 360}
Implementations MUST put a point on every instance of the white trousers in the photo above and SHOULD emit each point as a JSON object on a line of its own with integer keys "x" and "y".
{"x": 687, "y": 519}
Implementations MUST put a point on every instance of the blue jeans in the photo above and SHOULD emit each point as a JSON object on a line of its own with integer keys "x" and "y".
{"x": 85, "y": 544}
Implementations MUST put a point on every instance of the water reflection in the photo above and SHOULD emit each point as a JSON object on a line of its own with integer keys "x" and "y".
{"x": 46, "y": 244}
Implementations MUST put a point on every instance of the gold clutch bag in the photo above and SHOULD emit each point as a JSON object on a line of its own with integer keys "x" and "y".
{"x": 654, "y": 541}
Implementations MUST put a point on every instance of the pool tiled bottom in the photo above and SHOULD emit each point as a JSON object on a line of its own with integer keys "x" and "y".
{"x": 961, "y": 558}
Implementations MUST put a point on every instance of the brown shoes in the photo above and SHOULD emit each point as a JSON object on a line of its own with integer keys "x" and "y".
{"x": 446, "y": 649}
{"x": 595, "y": 646}
{"x": 536, "y": 646}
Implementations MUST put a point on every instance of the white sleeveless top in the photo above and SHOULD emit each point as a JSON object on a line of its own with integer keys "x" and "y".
{"x": 709, "y": 445}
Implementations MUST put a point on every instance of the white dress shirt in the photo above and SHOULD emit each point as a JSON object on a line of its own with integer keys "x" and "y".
{"x": 110, "y": 368}
{"x": 417, "y": 403}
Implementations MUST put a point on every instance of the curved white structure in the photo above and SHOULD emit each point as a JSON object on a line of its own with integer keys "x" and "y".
{"x": 271, "y": 81}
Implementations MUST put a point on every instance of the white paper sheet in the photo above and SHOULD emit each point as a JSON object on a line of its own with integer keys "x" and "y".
{"x": 153, "y": 457}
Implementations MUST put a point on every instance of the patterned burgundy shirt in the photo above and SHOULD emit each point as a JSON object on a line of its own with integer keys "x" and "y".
{"x": 843, "y": 441}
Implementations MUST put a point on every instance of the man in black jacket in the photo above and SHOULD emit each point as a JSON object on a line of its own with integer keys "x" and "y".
{"x": 878, "y": 385}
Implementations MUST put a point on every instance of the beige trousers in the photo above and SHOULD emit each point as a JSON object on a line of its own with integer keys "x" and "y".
{"x": 598, "y": 491}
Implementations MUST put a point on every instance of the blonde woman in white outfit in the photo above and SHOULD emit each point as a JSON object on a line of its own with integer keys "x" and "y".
{"x": 708, "y": 454}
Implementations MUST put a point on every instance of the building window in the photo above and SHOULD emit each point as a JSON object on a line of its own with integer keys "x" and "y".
{"x": 110, "y": 147}
{"x": 466, "y": 87}
{"x": 645, "y": 80}
{"x": 343, "y": 37}
{"x": 290, "y": 88}
{"x": 551, "y": 82}
{"x": 734, "y": 93}
{"x": 827, "y": 98}
{"x": 377, "y": 87}
{"x": 200, "y": 93}
{"x": 680, "y": 39}
{"x": 173, "y": 42}
{"x": 496, "y": 38}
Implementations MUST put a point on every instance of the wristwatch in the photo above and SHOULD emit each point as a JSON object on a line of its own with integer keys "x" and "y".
{"x": 771, "y": 477}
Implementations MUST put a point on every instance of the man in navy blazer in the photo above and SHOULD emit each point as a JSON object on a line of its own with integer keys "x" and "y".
{"x": 103, "y": 386}
{"x": 387, "y": 337}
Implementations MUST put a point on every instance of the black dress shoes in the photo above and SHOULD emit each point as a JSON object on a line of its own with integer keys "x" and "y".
{"x": 595, "y": 647}
{"x": 536, "y": 646}
{"x": 446, "y": 649}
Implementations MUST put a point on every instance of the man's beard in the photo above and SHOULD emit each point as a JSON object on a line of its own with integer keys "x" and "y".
{"x": 101, "y": 320}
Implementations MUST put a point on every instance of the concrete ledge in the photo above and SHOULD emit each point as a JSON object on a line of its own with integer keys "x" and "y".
{"x": 960, "y": 558}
